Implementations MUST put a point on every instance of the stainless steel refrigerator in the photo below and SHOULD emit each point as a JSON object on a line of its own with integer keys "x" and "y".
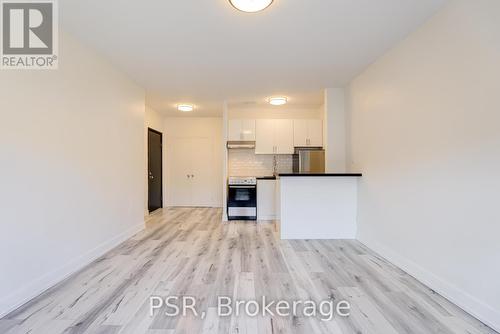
{"x": 309, "y": 160}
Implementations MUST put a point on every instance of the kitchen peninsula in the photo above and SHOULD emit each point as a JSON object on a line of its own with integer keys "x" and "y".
{"x": 318, "y": 206}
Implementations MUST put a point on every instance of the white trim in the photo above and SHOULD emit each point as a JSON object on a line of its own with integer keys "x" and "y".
{"x": 41, "y": 284}
{"x": 468, "y": 303}
{"x": 265, "y": 218}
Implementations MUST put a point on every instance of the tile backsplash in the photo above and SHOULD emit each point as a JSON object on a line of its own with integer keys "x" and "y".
{"x": 244, "y": 162}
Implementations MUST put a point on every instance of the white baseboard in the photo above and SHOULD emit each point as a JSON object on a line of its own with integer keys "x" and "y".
{"x": 269, "y": 217}
{"x": 468, "y": 303}
{"x": 41, "y": 284}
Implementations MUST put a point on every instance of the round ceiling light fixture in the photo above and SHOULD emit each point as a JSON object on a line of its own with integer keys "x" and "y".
{"x": 251, "y": 6}
{"x": 278, "y": 100}
{"x": 185, "y": 107}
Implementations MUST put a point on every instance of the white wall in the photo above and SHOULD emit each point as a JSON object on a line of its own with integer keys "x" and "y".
{"x": 282, "y": 112}
{"x": 334, "y": 130}
{"x": 153, "y": 120}
{"x": 426, "y": 134}
{"x": 188, "y": 127}
{"x": 224, "y": 127}
{"x": 71, "y": 169}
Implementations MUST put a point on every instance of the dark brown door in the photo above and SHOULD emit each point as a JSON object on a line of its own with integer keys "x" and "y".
{"x": 155, "y": 193}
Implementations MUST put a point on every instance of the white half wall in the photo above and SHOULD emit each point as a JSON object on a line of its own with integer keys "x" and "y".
{"x": 425, "y": 132}
{"x": 71, "y": 169}
{"x": 318, "y": 207}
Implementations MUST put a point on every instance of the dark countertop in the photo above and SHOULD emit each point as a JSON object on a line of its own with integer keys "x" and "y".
{"x": 321, "y": 174}
{"x": 271, "y": 177}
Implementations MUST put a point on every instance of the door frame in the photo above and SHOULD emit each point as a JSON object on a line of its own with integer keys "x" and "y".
{"x": 161, "y": 167}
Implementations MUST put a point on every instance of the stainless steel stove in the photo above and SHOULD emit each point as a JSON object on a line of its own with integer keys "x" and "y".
{"x": 242, "y": 198}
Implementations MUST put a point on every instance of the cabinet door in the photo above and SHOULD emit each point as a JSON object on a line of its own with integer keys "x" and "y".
{"x": 300, "y": 128}
{"x": 315, "y": 132}
{"x": 264, "y": 136}
{"x": 283, "y": 133}
{"x": 235, "y": 130}
{"x": 266, "y": 199}
{"x": 248, "y": 129}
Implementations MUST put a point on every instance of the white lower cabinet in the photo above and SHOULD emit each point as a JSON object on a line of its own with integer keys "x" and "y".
{"x": 266, "y": 199}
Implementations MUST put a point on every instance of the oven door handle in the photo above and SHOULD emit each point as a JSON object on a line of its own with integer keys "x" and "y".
{"x": 242, "y": 187}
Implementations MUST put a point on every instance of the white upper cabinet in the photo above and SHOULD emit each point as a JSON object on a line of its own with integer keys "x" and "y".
{"x": 264, "y": 135}
{"x": 248, "y": 129}
{"x": 300, "y": 132}
{"x": 274, "y": 136}
{"x": 241, "y": 130}
{"x": 315, "y": 132}
{"x": 283, "y": 136}
{"x": 308, "y": 132}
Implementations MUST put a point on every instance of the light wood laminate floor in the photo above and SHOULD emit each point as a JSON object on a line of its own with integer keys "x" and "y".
{"x": 190, "y": 252}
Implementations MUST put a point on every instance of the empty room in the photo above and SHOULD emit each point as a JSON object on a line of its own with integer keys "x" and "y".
{"x": 249, "y": 166}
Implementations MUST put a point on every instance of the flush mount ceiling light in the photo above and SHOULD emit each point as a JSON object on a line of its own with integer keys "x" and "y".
{"x": 251, "y": 6}
{"x": 278, "y": 100}
{"x": 185, "y": 107}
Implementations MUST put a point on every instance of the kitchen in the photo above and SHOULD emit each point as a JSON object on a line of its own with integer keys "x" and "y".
{"x": 273, "y": 157}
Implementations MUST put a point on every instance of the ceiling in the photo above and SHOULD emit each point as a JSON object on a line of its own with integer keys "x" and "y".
{"x": 205, "y": 52}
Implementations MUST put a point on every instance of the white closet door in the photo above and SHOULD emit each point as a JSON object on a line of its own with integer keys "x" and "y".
{"x": 179, "y": 188}
{"x": 203, "y": 174}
